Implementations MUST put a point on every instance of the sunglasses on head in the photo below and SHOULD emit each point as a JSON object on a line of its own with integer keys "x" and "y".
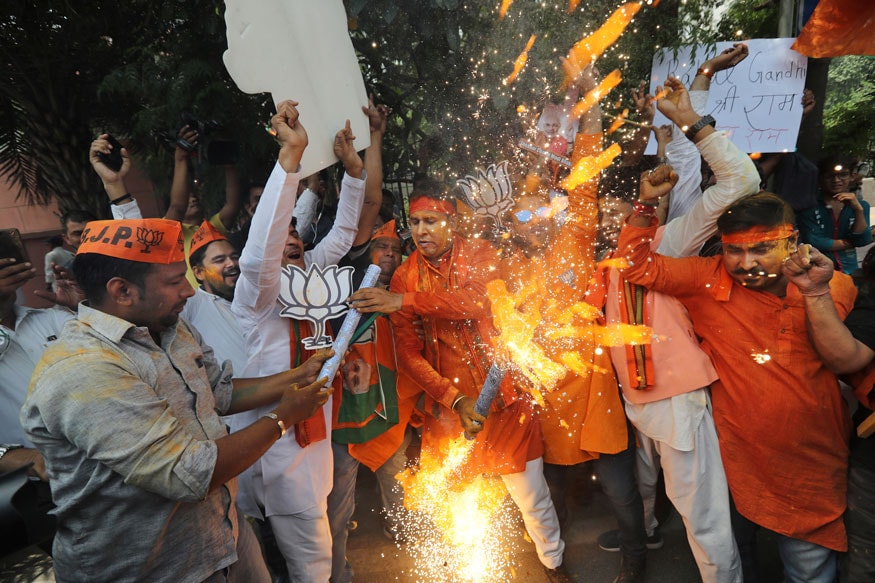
{"x": 524, "y": 216}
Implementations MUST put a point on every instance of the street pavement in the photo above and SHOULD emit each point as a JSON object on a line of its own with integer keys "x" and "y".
{"x": 375, "y": 559}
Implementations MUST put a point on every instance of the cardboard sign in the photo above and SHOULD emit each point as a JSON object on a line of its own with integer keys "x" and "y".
{"x": 301, "y": 50}
{"x": 758, "y": 102}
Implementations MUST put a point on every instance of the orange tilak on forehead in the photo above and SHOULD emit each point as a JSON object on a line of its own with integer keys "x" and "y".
{"x": 432, "y": 204}
{"x": 758, "y": 234}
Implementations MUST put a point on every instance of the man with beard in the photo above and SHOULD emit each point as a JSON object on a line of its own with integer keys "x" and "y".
{"x": 215, "y": 264}
{"x": 125, "y": 408}
{"x": 377, "y": 406}
{"x": 781, "y": 422}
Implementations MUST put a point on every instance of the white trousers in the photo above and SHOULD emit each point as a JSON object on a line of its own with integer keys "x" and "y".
{"x": 696, "y": 484}
{"x": 530, "y": 493}
{"x": 304, "y": 539}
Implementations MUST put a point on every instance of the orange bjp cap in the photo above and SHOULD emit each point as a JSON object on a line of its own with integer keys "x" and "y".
{"x": 387, "y": 231}
{"x": 206, "y": 234}
{"x": 141, "y": 240}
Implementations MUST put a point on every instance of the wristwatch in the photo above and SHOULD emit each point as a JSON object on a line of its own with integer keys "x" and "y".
{"x": 705, "y": 120}
{"x": 6, "y": 447}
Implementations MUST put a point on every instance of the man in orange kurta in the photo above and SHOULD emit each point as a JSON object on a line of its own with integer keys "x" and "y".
{"x": 443, "y": 284}
{"x": 782, "y": 423}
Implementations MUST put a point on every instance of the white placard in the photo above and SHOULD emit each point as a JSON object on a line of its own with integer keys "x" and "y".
{"x": 758, "y": 102}
{"x": 301, "y": 50}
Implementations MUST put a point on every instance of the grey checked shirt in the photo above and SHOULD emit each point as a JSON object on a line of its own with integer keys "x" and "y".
{"x": 127, "y": 429}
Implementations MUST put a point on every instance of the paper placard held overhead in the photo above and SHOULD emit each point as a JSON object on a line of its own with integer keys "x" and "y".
{"x": 301, "y": 50}
{"x": 758, "y": 102}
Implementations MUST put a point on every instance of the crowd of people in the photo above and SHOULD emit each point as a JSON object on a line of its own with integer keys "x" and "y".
{"x": 178, "y": 392}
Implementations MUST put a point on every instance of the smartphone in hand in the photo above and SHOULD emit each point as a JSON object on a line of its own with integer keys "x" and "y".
{"x": 11, "y": 246}
{"x": 113, "y": 160}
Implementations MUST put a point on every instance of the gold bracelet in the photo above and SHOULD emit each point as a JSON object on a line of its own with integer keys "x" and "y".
{"x": 279, "y": 422}
{"x": 706, "y": 72}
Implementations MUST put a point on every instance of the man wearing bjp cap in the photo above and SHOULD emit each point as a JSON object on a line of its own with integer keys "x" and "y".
{"x": 781, "y": 421}
{"x": 125, "y": 410}
{"x": 215, "y": 264}
{"x": 443, "y": 284}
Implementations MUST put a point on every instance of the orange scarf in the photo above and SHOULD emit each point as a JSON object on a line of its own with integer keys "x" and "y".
{"x": 632, "y": 309}
{"x": 313, "y": 428}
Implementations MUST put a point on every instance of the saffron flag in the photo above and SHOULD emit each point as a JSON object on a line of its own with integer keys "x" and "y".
{"x": 837, "y": 28}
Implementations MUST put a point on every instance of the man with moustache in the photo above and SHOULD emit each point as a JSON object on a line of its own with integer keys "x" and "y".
{"x": 443, "y": 283}
{"x": 215, "y": 264}
{"x": 125, "y": 408}
{"x": 781, "y": 422}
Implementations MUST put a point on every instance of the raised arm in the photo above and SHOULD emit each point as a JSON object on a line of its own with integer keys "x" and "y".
{"x": 121, "y": 202}
{"x": 233, "y": 197}
{"x": 377, "y": 116}
{"x": 735, "y": 173}
{"x": 179, "y": 188}
{"x": 634, "y": 148}
{"x": 261, "y": 259}
{"x": 339, "y": 239}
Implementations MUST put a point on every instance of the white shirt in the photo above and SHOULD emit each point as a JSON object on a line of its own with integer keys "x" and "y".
{"x": 295, "y": 479}
{"x": 20, "y": 351}
{"x": 211, "y": 315}
{"x": 674, "y": 420}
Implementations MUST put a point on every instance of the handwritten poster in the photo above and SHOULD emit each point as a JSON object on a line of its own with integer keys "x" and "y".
{"x": 301, "y": 50}
{"x": 758, "y": 102}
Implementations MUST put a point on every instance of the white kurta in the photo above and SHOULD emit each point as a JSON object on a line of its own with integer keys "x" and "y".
{"x": 294, "y": 479}
{"x": 211, "y": 315}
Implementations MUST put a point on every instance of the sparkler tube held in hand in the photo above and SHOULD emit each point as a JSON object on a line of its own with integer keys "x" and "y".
{"x": 341, "y": 342}
{"x": 488, "y": 392}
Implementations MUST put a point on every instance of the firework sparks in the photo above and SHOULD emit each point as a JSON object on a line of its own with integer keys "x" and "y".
{"x": 589, "y": 166}
{"x": 591, "y": 47}
{"x": 593, "y": 97}
{"x": 456, "y": 529}
{"x": 517, "y": 320}
{"x": 618, "y": 121}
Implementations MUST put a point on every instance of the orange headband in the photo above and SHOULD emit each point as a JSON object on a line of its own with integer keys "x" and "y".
{"x": 205, "y": 235}
{"x": 424, "y": 203}
{"x": 387, "y": 231}
{"x": 141, "y": 240}
{"x": 758, "y": 234}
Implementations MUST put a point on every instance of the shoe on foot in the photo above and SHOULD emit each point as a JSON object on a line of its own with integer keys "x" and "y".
{"x": 559, "y": 575}
{"x": 631, "y": 570}
{"x": 610, "y": 541}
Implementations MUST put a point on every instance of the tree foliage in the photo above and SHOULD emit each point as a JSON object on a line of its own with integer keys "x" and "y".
{"x": 849, "y": 111}
{"x": 73, "y": 70}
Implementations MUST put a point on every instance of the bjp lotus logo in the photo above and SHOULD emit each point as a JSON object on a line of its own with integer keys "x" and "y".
{"x": 489, "y": 192}
{"x": 316, "y": 295}
{"x": 149, "y": 238}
